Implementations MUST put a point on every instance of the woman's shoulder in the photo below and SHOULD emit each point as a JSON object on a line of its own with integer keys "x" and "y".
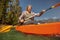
{"x": 24, "y": 11}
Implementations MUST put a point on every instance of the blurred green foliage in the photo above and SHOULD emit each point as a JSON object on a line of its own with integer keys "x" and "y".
{"x": 9, "y": 16}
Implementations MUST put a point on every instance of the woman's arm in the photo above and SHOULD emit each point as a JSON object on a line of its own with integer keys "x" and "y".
{"x": 21, "y": 17}
{"x": 39, "y": 14}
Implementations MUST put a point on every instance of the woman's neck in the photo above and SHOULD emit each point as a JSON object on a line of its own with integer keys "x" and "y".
{"x": 28, "y": 12}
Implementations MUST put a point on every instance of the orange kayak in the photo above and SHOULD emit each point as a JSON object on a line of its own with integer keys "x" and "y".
{"x": 48, "y": 28}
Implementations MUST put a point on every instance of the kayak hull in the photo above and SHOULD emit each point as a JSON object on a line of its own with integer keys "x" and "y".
{"x": 49, "y": 28}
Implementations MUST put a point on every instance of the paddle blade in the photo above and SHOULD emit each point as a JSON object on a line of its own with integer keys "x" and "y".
{"x": 56, "y": 5}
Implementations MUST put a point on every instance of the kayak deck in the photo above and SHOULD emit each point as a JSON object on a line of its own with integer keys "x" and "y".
{"x": 49, "y": 28}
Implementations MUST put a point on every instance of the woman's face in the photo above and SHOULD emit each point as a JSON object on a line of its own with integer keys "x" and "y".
{"x": 29, "y": 8}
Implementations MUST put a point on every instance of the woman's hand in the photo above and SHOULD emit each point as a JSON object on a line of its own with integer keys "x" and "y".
{"x": 22, "y": 20}
{"x": 42, "y": 12}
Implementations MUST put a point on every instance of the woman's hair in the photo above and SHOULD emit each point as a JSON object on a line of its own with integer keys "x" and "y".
{"x": 27, "y": 7}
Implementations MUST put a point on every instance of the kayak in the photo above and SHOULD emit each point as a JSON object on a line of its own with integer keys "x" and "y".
{"x": 47, "y": 28}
